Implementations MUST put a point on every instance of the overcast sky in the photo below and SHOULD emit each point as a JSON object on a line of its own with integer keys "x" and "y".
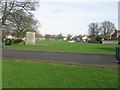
{"x": 73, "y": 17}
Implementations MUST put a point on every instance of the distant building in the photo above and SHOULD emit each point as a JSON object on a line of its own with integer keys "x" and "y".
{"x": 6, "y": 34}
{"x": 84, "y": 38}
{"x": 10, "y": 37}
{"x": 75, "y": 39}
{"x": 91, "y": 38}
{"x": 64, "y": 38}
{"x": 79, "y": 38}
{"x": 115, "y": 35}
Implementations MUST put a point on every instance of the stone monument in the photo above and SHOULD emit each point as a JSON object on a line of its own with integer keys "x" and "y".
{"x": 30, "y": 38}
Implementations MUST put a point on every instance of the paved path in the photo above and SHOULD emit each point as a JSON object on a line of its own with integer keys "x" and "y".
{"x": 67, "y": 58}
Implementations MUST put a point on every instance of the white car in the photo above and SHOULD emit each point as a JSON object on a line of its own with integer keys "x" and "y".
{"x": 71, "y": 41}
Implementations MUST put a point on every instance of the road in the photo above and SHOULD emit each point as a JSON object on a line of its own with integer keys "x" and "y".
{"x": 66, "y": 58}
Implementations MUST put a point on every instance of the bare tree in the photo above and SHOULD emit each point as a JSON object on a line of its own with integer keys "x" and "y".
{"x": 38, "y": 34}
{"x": 22, "y": 22}
{"x": 8, "y": 10}
{"x": 93, "y": 29}
{"x": 17, "y": 17}
{"x": 107, "y": 28}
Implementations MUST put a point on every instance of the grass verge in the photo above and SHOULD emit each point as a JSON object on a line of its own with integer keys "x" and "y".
{"x": 17, "y": 74}
{"x": 64, "y": 46}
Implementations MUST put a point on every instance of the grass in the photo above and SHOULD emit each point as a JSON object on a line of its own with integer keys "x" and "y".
{"x": 18, "y": 74}
{"x": 64, "y": 46}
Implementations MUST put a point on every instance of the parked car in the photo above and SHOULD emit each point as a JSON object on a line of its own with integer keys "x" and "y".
{"x": 72, "y": 41}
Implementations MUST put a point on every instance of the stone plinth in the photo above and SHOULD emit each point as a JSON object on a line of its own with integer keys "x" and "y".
{"x": 30, "y": 38}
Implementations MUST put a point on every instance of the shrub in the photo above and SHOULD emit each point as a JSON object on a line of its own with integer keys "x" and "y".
{"x": 17, "y": 41}
{"x": 119, "y": 38}
{"x": 8, "y": 42}
{"x": 98, "y": 38}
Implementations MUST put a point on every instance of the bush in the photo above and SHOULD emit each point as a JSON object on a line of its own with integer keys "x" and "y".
{"x": 8, "y": 42}
{"x": 119, "y": 38}
{"x": 17, "y": 41}
{"x": 95, "y": 42}
{"x": 98, "y": 38}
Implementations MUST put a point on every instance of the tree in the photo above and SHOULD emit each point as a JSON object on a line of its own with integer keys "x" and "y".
{"x": 17, "y": 17}
{"x": 119, "y": 38}
{"x": 60, "y": 36}
{"x": 69, "y": 36}
{"x": 93, "y": 29}
{"x": 54, "y": 37}
{"x": 21, "y": 23}
{"x": 38, "y": 34}
{"x": 48, "y": 36}
{"x": 107, "y": 28}
{"x": 98, "y": 38}
{"x": 8, "y": 10}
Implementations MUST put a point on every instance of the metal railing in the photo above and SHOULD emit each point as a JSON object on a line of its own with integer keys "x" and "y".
{"x": 117, "y": 54}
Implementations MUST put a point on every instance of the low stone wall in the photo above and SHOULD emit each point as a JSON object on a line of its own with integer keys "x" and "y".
{"x": 109, "y": 42}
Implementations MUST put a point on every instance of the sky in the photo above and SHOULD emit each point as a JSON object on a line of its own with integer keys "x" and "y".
{"x": 73, "y": 17}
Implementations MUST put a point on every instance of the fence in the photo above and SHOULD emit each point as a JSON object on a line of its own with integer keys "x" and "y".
{"x": 110, "y": 42}
{"x": 117, "y": 54}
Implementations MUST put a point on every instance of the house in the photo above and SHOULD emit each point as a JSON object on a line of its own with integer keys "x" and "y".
{"x": 64, "y": 38}
{"x": 115, "y": 35}
{"x": 84, "y": 38}
{"x": 92, "y": 38}
{"x": 76, "y": 38}
{"x": 10, "y": 37}
{"x": 6, "y": 34}
{"x": 79, "y": 38}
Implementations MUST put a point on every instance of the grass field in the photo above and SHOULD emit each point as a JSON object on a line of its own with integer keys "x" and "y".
{"x": 18, "y": 74}
{"x": 64, "y": 46}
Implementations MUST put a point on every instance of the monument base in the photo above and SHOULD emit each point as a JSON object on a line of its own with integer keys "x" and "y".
{"x": 30, "y": 44}
{"x": 30, "y": 38}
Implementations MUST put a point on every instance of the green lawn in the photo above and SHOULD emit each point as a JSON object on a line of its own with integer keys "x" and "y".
{"x": 18, "y": 74}
{"x": 64, "y": 46}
